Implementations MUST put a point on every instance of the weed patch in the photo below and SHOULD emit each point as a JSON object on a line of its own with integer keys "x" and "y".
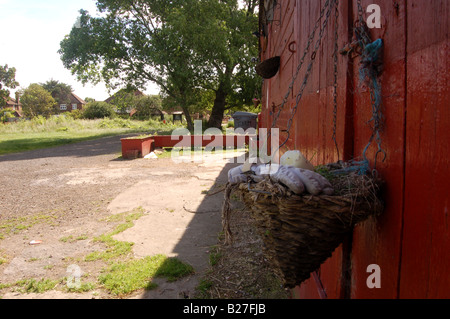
{"x": 37, "y": 286}
{"x": 116, "y": 248}
{"x": 16, "y": 225}
{"x": 126, "y": 277}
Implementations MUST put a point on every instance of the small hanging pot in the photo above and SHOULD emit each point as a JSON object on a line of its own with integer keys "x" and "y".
{"x": 268, "y": 68}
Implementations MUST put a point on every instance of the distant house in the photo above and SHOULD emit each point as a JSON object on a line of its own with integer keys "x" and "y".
{"x": 76, "y": 103}
{"x": 15, "y": 106}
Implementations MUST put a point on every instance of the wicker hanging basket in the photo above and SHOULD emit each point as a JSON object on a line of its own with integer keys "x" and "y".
{"x": 301, "y": 231}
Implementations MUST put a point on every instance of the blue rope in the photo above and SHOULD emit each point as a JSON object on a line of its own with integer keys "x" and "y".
{"x": 371, "y": 68}
{"x": 371, "y": 60}
{"x": 361, "y": 167}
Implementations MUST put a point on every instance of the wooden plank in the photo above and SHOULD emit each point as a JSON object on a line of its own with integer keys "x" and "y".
{"x": 314, "y": 131}
{"x": 426, "y": 243}
{"x": 378, "y": 241}
{"x": 410, "y": 241}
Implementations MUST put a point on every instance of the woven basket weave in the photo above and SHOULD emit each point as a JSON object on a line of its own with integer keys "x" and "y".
{"x": 301, "y": 232}
{"x": 268, "y": 68}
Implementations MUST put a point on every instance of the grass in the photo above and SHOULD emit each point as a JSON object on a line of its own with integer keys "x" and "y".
{"x": 43, "y": 133}
{"x": 19, "y": 224}
{"x": 214, "y": 256}
{"x": 126, "y": 277}
{"x": 116, "y": 248}
{"x": 71, "y": 239}
{"x": 37, "y": 286}
{"x": 203, "y": 287}
{"x": 124, "y": 274}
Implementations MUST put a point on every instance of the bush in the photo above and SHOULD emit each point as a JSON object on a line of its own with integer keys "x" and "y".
{"x": 5, "y": 114}
{"x": 117, "y": 123}
{"x": 98, "y": 110}
{"x": 75, "y": 114}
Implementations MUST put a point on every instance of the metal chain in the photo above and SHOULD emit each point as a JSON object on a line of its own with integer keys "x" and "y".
{"x": 311, "y": 37}
{"x": 361, "y": 32}
{"x": 302, "y": 60}
{"x": 335, "y": 84}
{"x": 308, "y": 72}
{"x": 360, "y": 12}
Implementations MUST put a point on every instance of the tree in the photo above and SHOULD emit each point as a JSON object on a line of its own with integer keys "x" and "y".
{"x": 181, "y": 45}
{"x": 7, "y": 79}
{"x": 125, "y": 99}
{"x": 147, "y": 105}
{"x": 37, "y": 101}
{"x": 222, "y": 35}
{"x": 98, "y": 110}
{"x": 59, "y": 91}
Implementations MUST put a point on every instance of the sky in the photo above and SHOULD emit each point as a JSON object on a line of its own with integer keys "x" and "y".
{"x": 30, "y": 33}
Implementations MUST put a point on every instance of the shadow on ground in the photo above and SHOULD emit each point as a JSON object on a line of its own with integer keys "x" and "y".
{"x": 195, "y": 244}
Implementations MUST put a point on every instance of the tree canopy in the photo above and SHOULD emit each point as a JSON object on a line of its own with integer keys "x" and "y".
{"x": 8, "y": 80}
{"x": 37, "y": 101}
{"x": 59, "y": 91}
{"x": 184, "y": 46}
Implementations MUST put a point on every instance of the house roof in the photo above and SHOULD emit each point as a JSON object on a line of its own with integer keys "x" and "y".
{"x": 76, "y": 99}
{"x": 10, "y": 102}
{"x": 122, "y": 92}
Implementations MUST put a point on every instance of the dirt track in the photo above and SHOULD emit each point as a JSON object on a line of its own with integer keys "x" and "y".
{"x": 66, "y": 192}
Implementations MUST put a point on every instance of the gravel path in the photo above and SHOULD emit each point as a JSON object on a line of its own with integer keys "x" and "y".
{"x": 67, "y": 191}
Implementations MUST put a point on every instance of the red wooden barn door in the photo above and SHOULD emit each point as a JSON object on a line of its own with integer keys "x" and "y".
{"x": 410, "y": 241}
{"x": 378, "y": 241}
{"x": 425, "y": 256}
{"x": 314, "y": 120}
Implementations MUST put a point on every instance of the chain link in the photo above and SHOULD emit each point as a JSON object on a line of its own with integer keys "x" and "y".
{"x": 335, "y": 84}
{"x": 331, "y": 5}
{"x": 302, "y": 60}
{"x": 363, "y": 38}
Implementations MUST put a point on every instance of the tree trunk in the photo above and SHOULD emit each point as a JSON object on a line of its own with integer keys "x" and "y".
{"x": 220, "y": 102}
{"x": 190, "y": 124}
{"x": 218, "y": 109}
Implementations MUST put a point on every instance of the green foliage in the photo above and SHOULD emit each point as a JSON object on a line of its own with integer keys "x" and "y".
{"x": 125, "y": 99}
{"x": 40, "y": 132}
{"x": 214, "y": 256}
{"x": 115, "y": 247}
{"x": 146, "y": 106}
{"x": 126, "y": 277}
{"x": 37, "y": 101}
{"x": 5, "y": 114}
{"x": 184, "y": 46}
{"x": 59, "y": 91}
{"x": 7, "y": 79}
{"x": 17, "y": 225}
{"x": 75, "y": 114}
{"x": 37, "y": 286}
{"x": 98, "y": 110}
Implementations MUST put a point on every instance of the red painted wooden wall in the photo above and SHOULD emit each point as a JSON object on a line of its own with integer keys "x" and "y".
{"x": 410, "y": 241}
